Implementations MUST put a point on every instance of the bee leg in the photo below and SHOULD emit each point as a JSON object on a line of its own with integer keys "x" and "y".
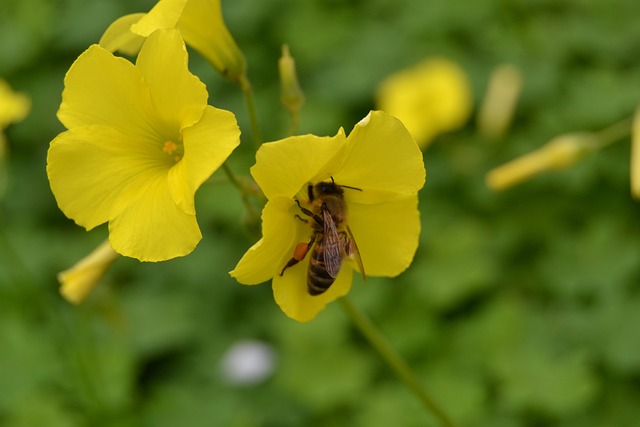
{"x": 301, "y": 219}
{"x": 307, "y": 212}
{"x": 299, "y": 253}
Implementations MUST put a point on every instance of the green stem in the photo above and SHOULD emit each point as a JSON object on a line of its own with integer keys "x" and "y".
{"x": 232, "y": 177}
{"x": 253, "y": 213}
{"x": 249, "y": 99}
{"x": 394, "y": 360}
{"x": 613, "y": 133}
{"x": 295, "y": 120}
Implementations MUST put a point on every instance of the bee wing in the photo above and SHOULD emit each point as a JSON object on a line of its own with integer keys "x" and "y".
{"x": 332, "y": 248}
{"x": 352, "y": 251}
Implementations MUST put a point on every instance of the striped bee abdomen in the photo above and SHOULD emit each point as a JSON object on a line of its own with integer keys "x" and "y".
{"x": 318, "y": 278}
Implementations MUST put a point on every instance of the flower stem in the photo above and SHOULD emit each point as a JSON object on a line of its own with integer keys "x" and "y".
{"x": 394, "y": 360}
{"x": 614, "y": 133}
{"x": 249, "y": 100}
{"x": 241, "y": 187}
{"x": 295, "y": 120}
{"x": 251, "y": 221}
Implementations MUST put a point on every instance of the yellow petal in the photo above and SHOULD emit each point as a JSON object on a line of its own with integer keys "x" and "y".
{"x": 281, "y": 231}
{"x": 381, "y": 156}
{"x": 207, "y": 144}
{"x": 178, "y": 96}
{"x": 386, "y": 234}
{"x": 290, "y": 291}
{"x": 119, "y": 37}
{"x": 150, "y": 226}
{"x": 203, "y": 28}
{"x": 165, "y": 14}
{"x": 89, "y": 166}
{"x": 635, "y": 156}
{"x": 284, "y": 167}
{"x": 101, "y": 89}
{"x": 78, "y": 281}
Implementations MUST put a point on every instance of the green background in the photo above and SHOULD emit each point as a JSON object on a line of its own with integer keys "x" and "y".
{"x": 520, "y": 309}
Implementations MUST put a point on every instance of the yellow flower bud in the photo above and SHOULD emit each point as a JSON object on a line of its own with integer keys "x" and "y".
{"x": 77, "y": 281}
{"x": 500, "y": 101}
{"x": 290, "y": 93}
{"x": 559, "y": 153}
{"x": 635, "y": 156}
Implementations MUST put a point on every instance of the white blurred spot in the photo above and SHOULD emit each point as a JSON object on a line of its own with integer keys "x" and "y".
{"x": 247, "y": 362}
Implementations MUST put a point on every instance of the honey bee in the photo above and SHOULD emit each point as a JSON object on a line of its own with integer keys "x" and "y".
{"x": 331, "y": 240}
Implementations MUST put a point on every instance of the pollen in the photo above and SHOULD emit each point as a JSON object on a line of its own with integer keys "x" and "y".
{"x": 173, "y": 150}
{"x": 170, "y": 147}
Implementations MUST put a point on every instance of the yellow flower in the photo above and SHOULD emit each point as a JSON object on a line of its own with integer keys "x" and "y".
{"x": 199, "y": 21}
{"x": 141, "y": 140}
{"x": 430, "y": 98}
{"x": 77, "y": 281}
{"x": 559, "y": 153}
{"x": 635, "y": 156}
{"x": 382, "y": 163}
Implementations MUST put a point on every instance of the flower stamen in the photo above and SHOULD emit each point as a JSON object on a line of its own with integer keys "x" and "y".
{"x": 173, "y": 150}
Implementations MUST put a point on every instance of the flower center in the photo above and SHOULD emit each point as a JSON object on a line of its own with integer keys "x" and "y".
{"x": 174, "y": 150}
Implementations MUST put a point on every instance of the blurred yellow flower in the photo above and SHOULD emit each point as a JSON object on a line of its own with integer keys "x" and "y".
{"x": 559, "y": 153}
{"x": 199, "y": 21}
{"x": 499, "y": 104}
{"x": 141, "y": 140}
{"x": 13, "y": 108}
{"x": 78, "y": 281}
{"x": 635, "y": 156}
{"x": 384, "y": 165}
{"x": 430, "y": 98}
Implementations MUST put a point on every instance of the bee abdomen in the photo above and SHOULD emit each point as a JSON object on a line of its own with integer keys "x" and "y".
{"x": 318, "y": 284}
{"x": 318, "y": 279}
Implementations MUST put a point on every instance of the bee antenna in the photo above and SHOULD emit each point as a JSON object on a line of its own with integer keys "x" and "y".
{"x": 351, "y": 188}
{"x": 346, "y": 186}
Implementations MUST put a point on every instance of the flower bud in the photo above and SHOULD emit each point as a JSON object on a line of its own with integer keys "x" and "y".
{"x": 500, "y": 101}
{"x": 559, "y": 153}
{"x": 291, "y": 95}
{"x": 77, "y": 281}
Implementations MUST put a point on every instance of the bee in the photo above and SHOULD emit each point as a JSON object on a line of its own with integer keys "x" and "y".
{"x": 331, "y": 240}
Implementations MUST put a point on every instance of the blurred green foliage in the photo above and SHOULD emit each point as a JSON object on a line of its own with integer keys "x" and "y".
{"x": 522, "y": 308}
